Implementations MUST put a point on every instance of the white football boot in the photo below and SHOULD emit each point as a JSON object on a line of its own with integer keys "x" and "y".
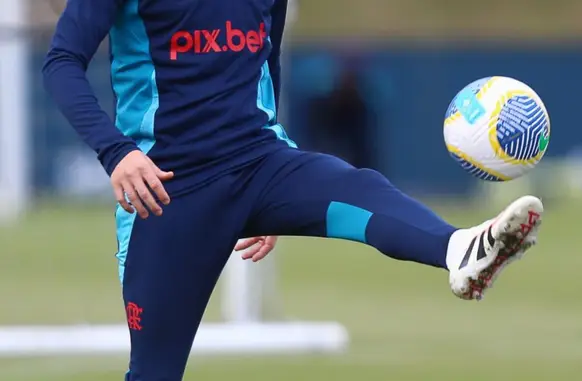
{"x": 477, "y": 255}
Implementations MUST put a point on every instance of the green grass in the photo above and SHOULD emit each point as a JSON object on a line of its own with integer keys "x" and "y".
{"x": 501, "y": 20}
{"x": 58, "y": 266}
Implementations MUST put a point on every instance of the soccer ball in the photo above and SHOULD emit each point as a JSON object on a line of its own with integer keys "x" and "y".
{"x": 497, "y": 128}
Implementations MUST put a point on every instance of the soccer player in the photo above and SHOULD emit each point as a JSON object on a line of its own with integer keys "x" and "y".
{"x": 197, "y": 160}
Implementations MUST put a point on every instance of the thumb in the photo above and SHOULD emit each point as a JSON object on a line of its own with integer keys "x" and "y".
{"x": 162, "y": 175}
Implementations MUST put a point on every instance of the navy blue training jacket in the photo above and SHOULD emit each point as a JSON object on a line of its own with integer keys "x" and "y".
{"x": 196, "y": 82}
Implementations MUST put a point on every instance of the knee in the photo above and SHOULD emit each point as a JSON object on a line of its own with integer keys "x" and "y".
{"x": 368, "y": 178}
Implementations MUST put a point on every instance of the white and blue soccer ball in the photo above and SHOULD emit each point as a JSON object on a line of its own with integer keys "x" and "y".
{"x": 497, "y": 128}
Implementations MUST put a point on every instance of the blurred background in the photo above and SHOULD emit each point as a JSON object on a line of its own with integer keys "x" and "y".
{"x": 364, "y": 79}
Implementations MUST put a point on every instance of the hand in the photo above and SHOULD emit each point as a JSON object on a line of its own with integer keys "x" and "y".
{"x": 131, "y": 178}
{"x": 256, "y": 248}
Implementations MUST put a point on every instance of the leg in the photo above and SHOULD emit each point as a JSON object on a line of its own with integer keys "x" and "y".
{"x": 318, "y": 195}
{"x": 169, "y": 267}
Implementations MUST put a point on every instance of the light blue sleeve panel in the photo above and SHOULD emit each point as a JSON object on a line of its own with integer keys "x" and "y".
{"x": 278, "y": 18}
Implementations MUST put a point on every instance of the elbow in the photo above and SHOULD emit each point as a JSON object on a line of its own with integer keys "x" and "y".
{"x": 47, "y": 65}
{"x": 58, "y": 58}
{"x": 51, "y": 61}
{"x": 50, "y": 64}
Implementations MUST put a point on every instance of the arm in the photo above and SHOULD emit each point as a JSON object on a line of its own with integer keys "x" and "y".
{"x": 278, "y": 15}
{"x": 79, "y": 32}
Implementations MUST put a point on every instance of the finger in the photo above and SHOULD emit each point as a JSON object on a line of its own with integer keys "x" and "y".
{"x": 244, "y": 244}
{"x": 251, "y": 251}
{"x": 120, "y": 197}
{"x": 265, "y": 249}
{"x": 133, "y": 197}
{"x": 146, "y": 196}
{"x": 162, "y": 175}
{"x": 156, "y": 186}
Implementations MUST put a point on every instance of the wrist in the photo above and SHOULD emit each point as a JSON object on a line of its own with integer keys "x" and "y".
{"x": 111, "y": 156}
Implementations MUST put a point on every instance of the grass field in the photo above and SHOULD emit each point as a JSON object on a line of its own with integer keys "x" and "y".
{"x": 57, "y": 266}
